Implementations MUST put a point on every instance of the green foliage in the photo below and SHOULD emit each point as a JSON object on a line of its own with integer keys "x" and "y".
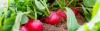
{"x": 18, "y": 19}
{"x": 9, "y": 20}
{"x": 86, "y": 13}
{"x": 71, "y": 21}
{"x": 87, "y": 8}
{"x": 39, "y": 5}
{"x": 94, "y": 24}
{"x": 86, "y": 28}
{"x": 44, "y": 3}
{"x": 2, "y": 8}
{"x": 89, "y": 3}
{"x": 61, "y": 3}
{"x": 22, "y": 5}
{"x": 18, "y": 12}
{"x": 96, "y": 9}
{"x": 97, "y": 26}
{"x": 24, "y": 19}
{"x": 73, "y": 2}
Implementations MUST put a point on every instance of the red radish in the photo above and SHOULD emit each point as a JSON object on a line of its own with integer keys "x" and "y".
{"x": 75, "y": 11}
{"x": 53, "y": 19}
{"x": 23, "y": 28}
{"x": 34, "y": 25}
{"x": 62, "y": 14}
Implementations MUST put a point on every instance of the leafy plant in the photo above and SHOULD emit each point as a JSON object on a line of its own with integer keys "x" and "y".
{"x": 71, "y": 21}
{"x": 93, "y": 25}
{"x": 16, "y": 15}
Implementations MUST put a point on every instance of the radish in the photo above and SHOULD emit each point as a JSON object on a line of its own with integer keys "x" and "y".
{"x": 53, "y": 19}
{"x": 34, "y": 25}
{"x": 75, "y": 11}
{"x": 23, "y": 28}
{"x": 62, "y": 14}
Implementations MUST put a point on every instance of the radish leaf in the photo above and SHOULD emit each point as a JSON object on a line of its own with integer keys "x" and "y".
{"x": 71, "y": 21}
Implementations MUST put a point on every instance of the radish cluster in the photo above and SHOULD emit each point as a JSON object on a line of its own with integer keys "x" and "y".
{"x": 36, "y": 25}
{"x": 55, "y": 18}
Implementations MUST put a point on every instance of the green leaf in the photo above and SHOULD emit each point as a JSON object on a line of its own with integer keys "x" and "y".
{"x": 1, "y": 19}
{"x": 93, "y": 24}
{"x": 8, "y": 21}
{"x": 24, "y": 19}
{"x": 16, "y": 26}
{"x": 97, "y": 26}
{"x": 3, "y": 6}
{"x": 73, "y": 2}
{"x": 86, "y": 14}
{"x": 9, "y": 16}
{"x": 96, "y": 9}
{"x": 46, "y": 12}
{"x": 39, "y": 5}
{"x": 96, "y": 12}
{"x": 61, "y": 3}
{"x": 71, "y": 21}
{"x": 22, "y": 5}
{"x": 89, "y": 3}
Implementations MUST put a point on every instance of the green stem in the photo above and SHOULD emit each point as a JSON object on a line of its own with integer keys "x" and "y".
{"x": 30, "y": 16}
{"x": 58, "y": 4}
{"x": 48, "y": 12}
{"x": 1, "y": 17}
{"x": 75, "y": 3}
{"x": 34, "y": 8}
{"x": 35, "y": 13}
{"x": 70, "y": 2}
{"x": 61, "y": 4}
